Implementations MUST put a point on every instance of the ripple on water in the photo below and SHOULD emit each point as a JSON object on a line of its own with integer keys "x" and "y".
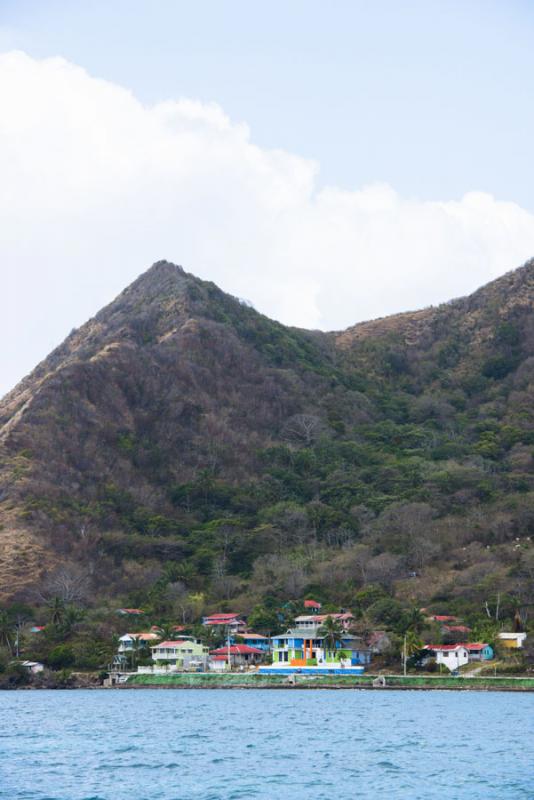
{"x": 258, "y": 744}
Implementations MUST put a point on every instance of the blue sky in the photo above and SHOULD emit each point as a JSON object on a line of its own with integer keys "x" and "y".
{"x": 329, "y": 162}
{"x": 435, "y": 98}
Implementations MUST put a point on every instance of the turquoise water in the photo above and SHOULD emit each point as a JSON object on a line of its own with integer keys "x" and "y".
{"x": 220, "y": 745}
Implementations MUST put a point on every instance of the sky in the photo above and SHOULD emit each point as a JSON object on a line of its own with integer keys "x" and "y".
{"x": 329, "y": 163}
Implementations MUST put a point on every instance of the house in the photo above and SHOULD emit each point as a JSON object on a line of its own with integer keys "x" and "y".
{"x": 451, "y": 655}
{"x": 37, "y": 628}
{"x": 218, "y": 663}
{"x": 254, "y": 640}
{"x": 237, "y": 655}
{"x": 304, "y": 649}
{"x": 233, "y": 622}
{"x": 443, "y": 618}
{"x": 456, "y": 655}
{"x": 512, "y": 641}
{"x": 33, "y": 666}
{"x": 185, "y": 653}
{"x": 129, "y": 641}
{"x": 313, "y": 605}
{"x": 479, "y": 651}
{"x": 312, "y": 620}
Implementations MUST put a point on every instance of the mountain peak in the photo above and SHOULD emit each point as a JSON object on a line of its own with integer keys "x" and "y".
{"x": 178, "y": 406}
{"x": 161, "y": 271}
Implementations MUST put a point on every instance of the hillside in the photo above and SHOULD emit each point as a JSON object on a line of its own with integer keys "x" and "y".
{"x": 182, "y": 445}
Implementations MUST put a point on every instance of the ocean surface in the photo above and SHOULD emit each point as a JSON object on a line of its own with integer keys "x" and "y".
{"x": 223, "y": 744}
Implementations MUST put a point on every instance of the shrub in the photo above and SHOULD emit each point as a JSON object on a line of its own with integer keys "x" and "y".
{"x": 61, "y": 657}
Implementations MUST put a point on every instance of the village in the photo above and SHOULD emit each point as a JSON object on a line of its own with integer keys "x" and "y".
{"x": 316, "y": 643}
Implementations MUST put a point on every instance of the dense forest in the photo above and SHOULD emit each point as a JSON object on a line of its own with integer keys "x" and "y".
{"x": 181, "y": 452}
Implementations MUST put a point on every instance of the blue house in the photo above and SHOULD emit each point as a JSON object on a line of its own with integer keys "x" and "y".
{"x": 306, "y": 648}
{"x": 253, "y": 640}
{"x": 479, "y": 651}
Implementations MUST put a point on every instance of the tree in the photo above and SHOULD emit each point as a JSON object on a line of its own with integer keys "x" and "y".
{"x": 415, "y": 621}
{"x": 61, "y": 657}
{"x": 70, "y": 583}
{"x": 302, "y": 429}
{"x": 332, "y": 631}
{"x": 134, "y": 651}
{"x": 6, "y": 630}
{"x": 387, "y": 611}
{"x": 71, "y": 619}
{"x": 413, "y": 643}
{"x": 264, "y": 620}
{"x": 166, "y": 631}
{"x": 57, "y": 611}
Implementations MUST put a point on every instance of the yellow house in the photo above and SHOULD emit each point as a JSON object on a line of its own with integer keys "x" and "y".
{"x": 512, "y": 641}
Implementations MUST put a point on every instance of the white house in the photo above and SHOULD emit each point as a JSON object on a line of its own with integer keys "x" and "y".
{"x": 313, "y": 620}
{"x": 451, "y": 655}
{"x": 127, "y": 642}
{"x": 33, "y": 666}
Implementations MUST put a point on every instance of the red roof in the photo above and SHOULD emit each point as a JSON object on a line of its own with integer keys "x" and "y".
{"x": 237, "y": 650}
{"x": 172, "y": 643}
{"x": 311, "y": 604}
{"x": 250, "y": 636}
{"x": 467, "y": 645}
{"x": 144, "y": 637}
{"x": 444, "y": 618}
{"x": 218, "y": 658}
{"x": 457, "y": 628}
{"x": 222, "y": 619}
{"x": 324, "y": 617}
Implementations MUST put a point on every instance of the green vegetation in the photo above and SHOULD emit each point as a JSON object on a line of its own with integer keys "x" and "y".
{"x": 195, "y": 455}
{"x": 258, "y": 681}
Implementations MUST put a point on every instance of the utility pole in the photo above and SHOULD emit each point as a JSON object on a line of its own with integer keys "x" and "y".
{"x": 404, "y": 654}
{"x": 18, "y": 628}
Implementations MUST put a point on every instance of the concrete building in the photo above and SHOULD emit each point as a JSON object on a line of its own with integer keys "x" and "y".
{"x": 512, "y": 641}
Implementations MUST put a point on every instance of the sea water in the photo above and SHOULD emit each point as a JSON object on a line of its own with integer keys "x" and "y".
{"x": 149, "y": 744}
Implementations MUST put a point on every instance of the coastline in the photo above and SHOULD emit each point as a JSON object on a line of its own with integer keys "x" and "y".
{"x": 367, "y": 682}
{"x": 208, "y": 681}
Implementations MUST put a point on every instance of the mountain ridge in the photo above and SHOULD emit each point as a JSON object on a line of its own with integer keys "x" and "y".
{"x": 175, "y": 382}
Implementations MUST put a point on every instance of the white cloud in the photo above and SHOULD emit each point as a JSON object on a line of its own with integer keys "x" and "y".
{"x": 95, "y": 187}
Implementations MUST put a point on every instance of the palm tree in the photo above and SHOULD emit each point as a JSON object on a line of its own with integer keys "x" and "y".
{"x": 413, "y": 643}
{"x": 71, "y": 617}
{"x": 134, "y": 651}
{"x": 415, "y": 620}
{"x": 166, "y": 631}
{"x": 57, "y": 611}
{"x": 332, "y": 633}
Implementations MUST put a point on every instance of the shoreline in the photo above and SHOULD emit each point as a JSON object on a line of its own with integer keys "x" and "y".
{"x": 208, "y": 681}
{"x": 299, "y": 682}
{"x": 306, "y": 687}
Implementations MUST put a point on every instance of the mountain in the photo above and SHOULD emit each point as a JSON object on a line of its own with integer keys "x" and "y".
{"x": 181, "y": 441}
